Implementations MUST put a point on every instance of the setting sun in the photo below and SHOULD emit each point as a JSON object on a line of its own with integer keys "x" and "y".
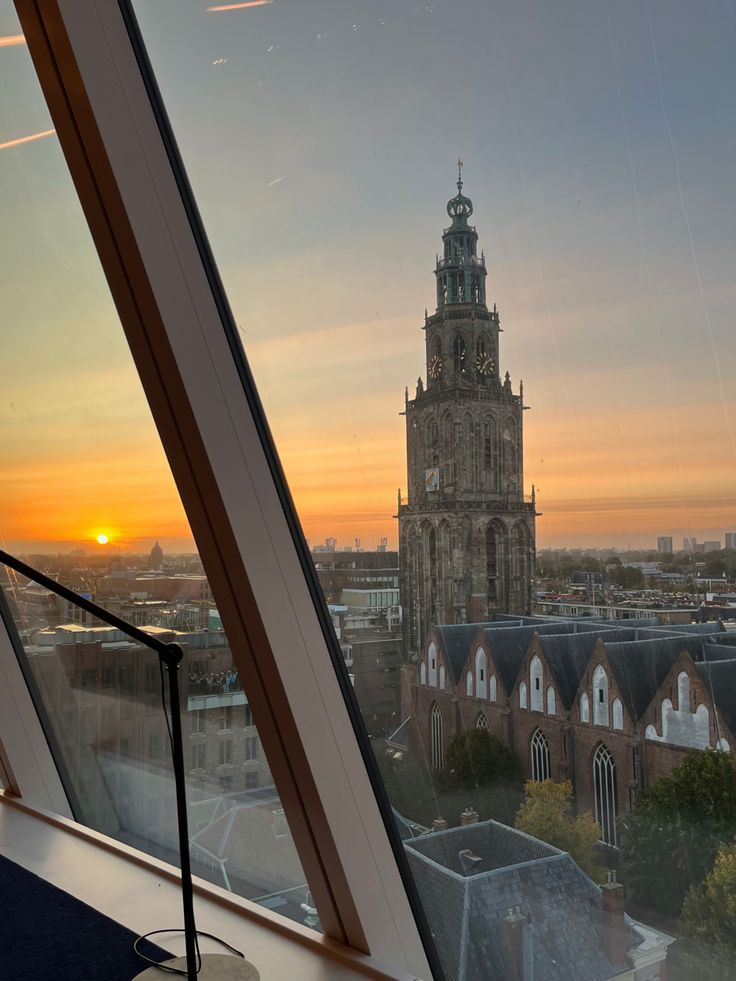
{"x": 102, "y": 539}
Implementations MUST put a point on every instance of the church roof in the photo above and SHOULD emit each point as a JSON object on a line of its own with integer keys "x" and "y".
{"x": 641, "y": 666}
{"x": 455, "y": 640}
{"x": 568, "y": 656}
{"x": 720, "y": 676}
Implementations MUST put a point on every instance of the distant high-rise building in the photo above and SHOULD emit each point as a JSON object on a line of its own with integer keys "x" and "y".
{"x": 664, "y": 543}
{"x": 689, "y": 544}
{"x": 711, "y": 546}
{"x": 730, "y": 539}
{"x": 157, "y": 556}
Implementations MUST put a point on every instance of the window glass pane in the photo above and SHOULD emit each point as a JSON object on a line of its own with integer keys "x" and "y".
{"x": 87, "y": 497}
{"x": 587, "y": 247}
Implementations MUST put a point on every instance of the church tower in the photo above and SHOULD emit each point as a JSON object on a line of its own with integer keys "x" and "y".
{"x": 466, "y": 533}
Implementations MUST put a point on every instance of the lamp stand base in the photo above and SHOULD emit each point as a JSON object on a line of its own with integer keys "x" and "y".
{"x": 215, "y": 967}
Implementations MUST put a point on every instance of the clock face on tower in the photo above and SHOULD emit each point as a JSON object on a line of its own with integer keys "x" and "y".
{"x": 435, "y": 366}
{"x": 485, "y": 363}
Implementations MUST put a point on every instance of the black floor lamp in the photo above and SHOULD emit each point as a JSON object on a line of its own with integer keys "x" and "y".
{"x": 193, "y": 966}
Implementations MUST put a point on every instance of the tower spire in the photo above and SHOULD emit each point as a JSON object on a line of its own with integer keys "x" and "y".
{"x": 459, "y": 175}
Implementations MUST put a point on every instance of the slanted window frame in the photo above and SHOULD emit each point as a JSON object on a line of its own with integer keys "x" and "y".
{"x": 146, "y": 229}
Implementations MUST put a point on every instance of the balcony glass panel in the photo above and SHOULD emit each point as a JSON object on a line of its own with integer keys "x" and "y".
{"x": 86, "y": 496}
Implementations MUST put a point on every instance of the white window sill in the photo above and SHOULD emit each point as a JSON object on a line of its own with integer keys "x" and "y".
{"x": 142, "y": 894}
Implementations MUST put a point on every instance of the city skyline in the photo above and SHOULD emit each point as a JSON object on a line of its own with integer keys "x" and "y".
{"x": 603, "y": 196}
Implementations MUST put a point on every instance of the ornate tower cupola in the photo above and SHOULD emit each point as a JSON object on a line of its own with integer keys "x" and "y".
{"x": 461, "y": 275}
{"x": 466, "y": 530}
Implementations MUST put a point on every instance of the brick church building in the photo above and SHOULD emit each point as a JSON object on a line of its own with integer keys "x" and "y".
{"x": 610, "y": 707}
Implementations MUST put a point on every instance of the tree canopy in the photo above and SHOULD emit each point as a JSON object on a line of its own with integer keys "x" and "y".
{"x": 547, "y": 814}
{"x": 475, "y": 758}
{"x": 670, "y": 838}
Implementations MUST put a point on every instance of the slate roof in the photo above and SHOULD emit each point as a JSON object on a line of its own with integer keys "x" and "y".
{"x": 720, "y": 676}
{"x": 641, "y": 666}
{"x": 568, "y": 656}
{"x": 455, "y": 640}
{"x": 399, "y": 738}
{"x": 466, "y": 913}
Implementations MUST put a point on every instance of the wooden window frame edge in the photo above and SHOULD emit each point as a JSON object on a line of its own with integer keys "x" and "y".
{"x": 88, "y": 71}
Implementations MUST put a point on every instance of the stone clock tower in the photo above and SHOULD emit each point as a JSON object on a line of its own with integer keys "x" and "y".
{"x": 466, "y": 533}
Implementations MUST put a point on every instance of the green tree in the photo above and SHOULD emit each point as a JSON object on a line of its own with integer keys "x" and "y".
{"x": 547, "y": 814}
{"x": 476, "y": 758}
{"x": 709, "y": 910}
{"x": 670, "y": 839}
{"x": 627, "y": 576}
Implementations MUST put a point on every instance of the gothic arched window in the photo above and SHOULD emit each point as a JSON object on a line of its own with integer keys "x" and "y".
{"x": 584, "y": 708}
{"x": 442, "y": 677}
{"x": 480, "y": 673}
{"x": 493, "y": 685}
{"x": 600, "y": 697}
{"x": 437, "y": 739}
{"x": 540, "y": 756}
{"x": 432, "y": 658}
{"x": 522, "y": 695}
{"x": 551, "y": 701}
{"x": 536, "y": 682}
{"x": 481, "y": 722}
{"x": 433, "y": 443}
{"x": 422, "y": 673}
{"x": 492, "y": 562}
{"x": 606, "y": 801}
{"x": 618, "y": 714}
{"x": 459, "y": 354}
{"x": 683, "y": 692}
{"x": 469, "y": 683}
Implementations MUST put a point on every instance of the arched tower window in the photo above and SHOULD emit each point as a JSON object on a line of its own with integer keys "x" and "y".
{"x": 480, "y": 673}
{"x": 584, "y": 708}
{"x": 600, "y": 697}
{"x": 459, "y": 354}
{"x": 442, "y": 677}
{"x": 481, "y": 722}
{"x": 536, "y": 682}
{"x": 492, "y": 560}
{"x": 606, "y": 800}
{"x": 618, "y": 714}
{"x": 493, "y": 686}
{"x": 540, "y": 756}
{"x": 551, "y": 701}
{"x": 433, "y": 443}
{"x": 469, "y": 683}
{"x": 432, "y": 658}
{"x": 522, "y": 695}
{"x": 438, "y": 739}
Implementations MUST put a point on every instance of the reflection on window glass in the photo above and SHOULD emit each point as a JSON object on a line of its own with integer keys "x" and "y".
{"x": 538, "y": 629}
{"x": 87, "y": 497}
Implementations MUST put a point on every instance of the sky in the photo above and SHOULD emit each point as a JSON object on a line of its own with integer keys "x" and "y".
{"x": 599, "y": 142}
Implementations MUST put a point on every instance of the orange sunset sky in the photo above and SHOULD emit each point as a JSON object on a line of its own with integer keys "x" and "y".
{"x": 600, "y": 161}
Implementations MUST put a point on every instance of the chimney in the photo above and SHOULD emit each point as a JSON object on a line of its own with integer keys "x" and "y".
{"x": 513, "y": 944}
{"x": 439, "y": 824}
{"x": 469, "y": 816}
{"x": 469, "y": 861}
{"x": 613, "y": 927}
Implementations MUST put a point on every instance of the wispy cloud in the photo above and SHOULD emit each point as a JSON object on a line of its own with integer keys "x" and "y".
{"x": 238, "y": 6}
{"x": 11, "y": 40}
{"x": 276, "y": 180}
{"x": 27, "y": 139}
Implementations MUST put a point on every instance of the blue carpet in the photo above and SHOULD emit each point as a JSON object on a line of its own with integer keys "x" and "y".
{"x": 48, "y": 935}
